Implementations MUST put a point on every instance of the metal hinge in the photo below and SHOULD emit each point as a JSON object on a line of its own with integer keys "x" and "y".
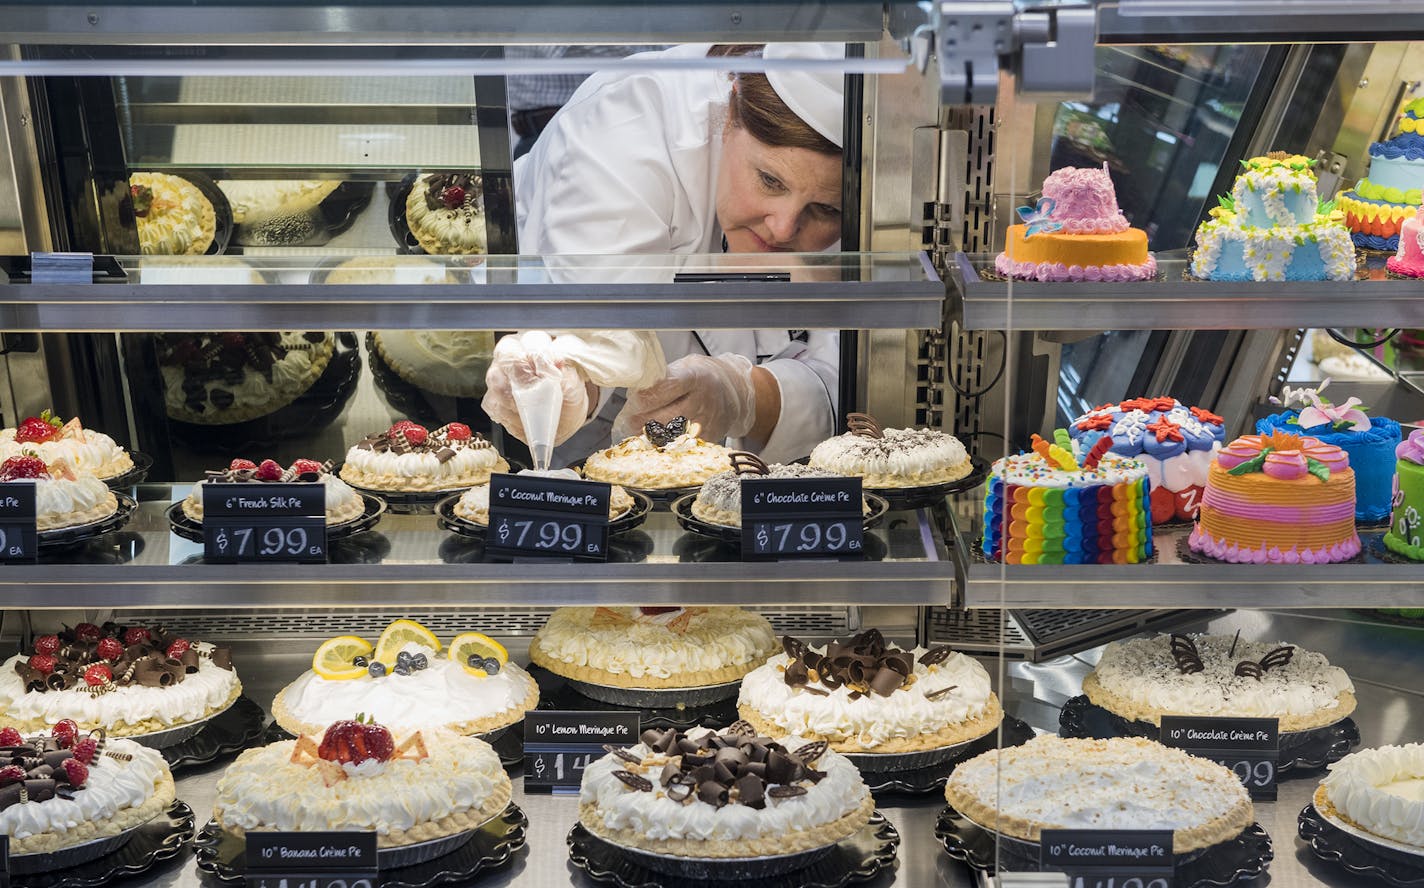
{"x": 1050, "y": 49}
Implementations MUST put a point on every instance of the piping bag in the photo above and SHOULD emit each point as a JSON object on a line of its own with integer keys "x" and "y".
{"x": 539, "y": 398}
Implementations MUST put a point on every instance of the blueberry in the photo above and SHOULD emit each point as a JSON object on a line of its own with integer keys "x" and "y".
{"x": 419, "y": 661}
{"x": 360, "y": 661}
{"x": 401, "y": 669}
{"x": 490, "y": 665}
{"x": 377, "y": 669}
{"x": 403, "y": 657}
{"x": 475, "y": 662}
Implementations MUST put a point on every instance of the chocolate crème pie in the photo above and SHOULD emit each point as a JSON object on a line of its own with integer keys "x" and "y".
{"x": 125, "y": 680}
{"x": 409, "y": 457}
{"x": 728, "y": 794}
{"x": 864, "y": 695}
{"x": 223, "y": 378}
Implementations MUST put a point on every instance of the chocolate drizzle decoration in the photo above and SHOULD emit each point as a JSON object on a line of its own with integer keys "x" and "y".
{"x": 744, "y": 463}
{"x": 660, "y": 435}
{"x": 864, "y": 425}
{"x": 622, "y": 753}
{"x": 1185, "y": 652}
{"x": 638, "y": 782}
{"x": 732, "y": 767}
{"x": 1278, "y": 657}
{"x": 935, "y": 695}
{"x": 863, "y": 663}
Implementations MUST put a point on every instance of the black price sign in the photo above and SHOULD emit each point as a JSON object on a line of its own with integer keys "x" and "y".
{"x": 19, "y": 539}
{"x": 1109, "y": 858}
{"x": 556, "y": 517}
{"x": 311, "y": 860}
{"x": 559, "y": 744}
{"x": 1250, "y": 747}
{"x": 801, "y": 518}
{"x": 265, "y": 522}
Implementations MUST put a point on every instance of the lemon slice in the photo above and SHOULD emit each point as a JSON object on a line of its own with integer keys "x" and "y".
{"x": 401, "y": 633}
{"x": 334, "y": 660}
{"x": 478, "y": 654}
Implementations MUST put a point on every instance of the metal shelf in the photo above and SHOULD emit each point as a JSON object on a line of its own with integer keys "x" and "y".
{"x": 1177, "y": 304}
{"x": 1250, "y": 21}
{"x": 408, "y": 561}
{"x": 1172, "y": 582}
{"x": 839, "y": 291}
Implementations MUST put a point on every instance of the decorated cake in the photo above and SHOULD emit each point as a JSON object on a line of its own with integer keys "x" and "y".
{"x": 1278, "y": 499}
{"x": 52, "y": 439}
{"x": 1076, "y": 233}
{"x": 409, "y": 457}
{"x": 1274, "y": 228}
{"x": 1058, "y": 783}
{"x": 723, "y": 795}
{"x": 1406, "y": 527}
{"x": 720, "y": 499}
{"x": 409, "y": 681}
{"x": 1143, "y": 679}
{"x": 445, "y": 212}
{"x": 173, "y": 216}
{"x": 1380, "y": 791}
{"x": 863, "y": 695}
{"x": 407, "y": 787}
{"x": 653, "y": 647}
{"x": 1047, "y": 507}
{"x": 1379, "y": 204}
{"x": 126, "y": 680}
{"x": 63, "y": 498}
{"x": 62, "y": 789}
{"x": 1368, "y": 441}
{"x": 1408, "y": 259}
{"x": 662, "y": 457}
{"x": 474, "y": 504}
{"x": 892, "y": 458}
{"x": 1175, "y": 442}
{"x": 221, "y": 378}
{"x": 342, "y": 503}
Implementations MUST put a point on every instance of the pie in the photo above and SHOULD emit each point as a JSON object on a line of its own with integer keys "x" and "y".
{"x": 661, "y": 458}
{"x": 1380, "y": 791}
{"x": 342, "y": 503}
{"x": 407, "y": 457}
{"x": 892, "y": 458}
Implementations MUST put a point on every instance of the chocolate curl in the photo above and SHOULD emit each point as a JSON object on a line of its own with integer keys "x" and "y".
{"x": 1247, "y": 669}
{"x": 12, "y": 794}
{"x": 189, "y": 661}
{"x": 59, "y": 681}
{"x": 1100, "y": 449}
{"x": 222, "y": 658}
{"x": 886, "y": 682}
{"x": 744, "y": 463}
{"x": 32, "y": 678}
{"x": 864, "y": 425}
{"x": 1185, "y": 652}
{"x": 1278, "y": 657}
{"x": 751, "y": 791}
{"x": 151, "y": 674}
{"x": 175, "y": 668}
{"x": 39, "y": 790}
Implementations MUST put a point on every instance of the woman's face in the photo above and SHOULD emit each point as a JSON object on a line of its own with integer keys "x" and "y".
{"x": 785, "y": 199}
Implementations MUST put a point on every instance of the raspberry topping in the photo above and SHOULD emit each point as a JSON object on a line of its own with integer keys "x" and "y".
{"x": 269, "y": 471}
{"x": 10, "y": 737}
{"x": 458, "y": 431}
{"x": 20, "y": 468}
{"x": 137, "y": 635}
{"x": 98, "y": 674}
{"x": 42, "y": 663}
{"x": 239, "y": 465}
{"x": 88, "y": 633}
{"x": 453, "y": 196}
{"x": 304, "y": 466}
{"x": 65, "y": 732}
{"x": 47, "y": 644}
{"x": 414, "y": 432}
{"x": 86, "y": 749}
{"x": 110, "y": 649}
{"x": 76, "y": 771}
{"x": 11, "y": 774}
{"x": 178, "y": 648}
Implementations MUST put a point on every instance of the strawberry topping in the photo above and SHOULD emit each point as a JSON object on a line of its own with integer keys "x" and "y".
{"x": 20, "y": 468}
{"x": 76, "y": 771}
{"x": 137, "y": 635}
{"x": 239, "y": 465}
{"x": 47, "y": 644}
{"x": 66, "y": 732}
{"x": 178, "y": 648}
{"x": 98, "y": 674}
{"x": 458, "y": 431}
{"x": 304, "y": 466}
{"x": 110, "y": 649}
{"x": 453, "y": 196}
{"x": 414, "y": 432}
{"x": 42, "y": 663}
{"x": 269, "y": 471}
{"x": 10, "y": 737}
{"x": 36, "y": 431}
{"x": 88, "y": 633}
{"x": 355, "y": 742}
{"x": 11, "y": 773}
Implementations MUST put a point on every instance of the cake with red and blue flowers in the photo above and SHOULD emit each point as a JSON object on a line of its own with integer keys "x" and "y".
{"x": 1378, "y": 207}
{"x": 1175, "y": 442}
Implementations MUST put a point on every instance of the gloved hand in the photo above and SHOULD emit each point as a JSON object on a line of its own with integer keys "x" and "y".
{"x": 522, "y": 360}
{"x": 716, "y": 393}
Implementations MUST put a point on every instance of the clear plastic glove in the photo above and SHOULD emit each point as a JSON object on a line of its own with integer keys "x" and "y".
{"x": 716, "y": 393}
{"x": 519, "y": 364}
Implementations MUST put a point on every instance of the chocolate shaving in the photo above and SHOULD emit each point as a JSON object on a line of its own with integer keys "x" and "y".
{"x": 744, "y": 463}
{"x": 795, "y": 648}
{"x": 636, "y": 781}
{"x": 935, "y": 695}
{"x": 936, "y": 655}
{"x": 864, "y": 663}
{"x": 817, "y": 691}
{"x": 812, "y": 751}
{"x": 622, "y": 753}
{"x": 1185, "y": 652}
{"x": 786, "y": 791}
{"x": 864, "y": 425}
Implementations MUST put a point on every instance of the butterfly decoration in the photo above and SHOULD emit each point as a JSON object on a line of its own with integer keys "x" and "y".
{"x": 1278, "y": 657}
{"x": 662, "y": 435}
{"x": 1036, "y": 218}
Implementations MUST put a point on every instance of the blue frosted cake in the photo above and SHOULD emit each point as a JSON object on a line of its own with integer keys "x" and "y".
{"x": 1376, "y": 208}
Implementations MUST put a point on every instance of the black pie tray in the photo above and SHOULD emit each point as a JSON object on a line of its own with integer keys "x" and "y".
{"x": 1236, "y": 860}
{"x": 732, "y": 536}
{"x": 161, "y": 839}
{"x": 509, "y": 745}
{"x": 221, "y": 855}
{"x": 447, "y": 519}
{"x": 191, "y": 530}
{"x": 404, "y": 502}
{"x": 142, "y": 462}
{"x": 408, "y": 399}
{"x": 79, "y": 534}
{"x": 312, "y": 410}
{"x": 863, "y": 856}
{"x": 930, "y": 494}
{"x": 239, "y": 727}
{"x": 1358, "y": 855}
{"x": 1299, "y": 751}
{"x": 555, "y": 693}
{"x": 923, "y": 781}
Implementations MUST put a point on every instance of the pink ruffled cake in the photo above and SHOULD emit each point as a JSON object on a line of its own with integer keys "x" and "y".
{"x": 1076, "y": 233}
{"x": 1408, "y": 260}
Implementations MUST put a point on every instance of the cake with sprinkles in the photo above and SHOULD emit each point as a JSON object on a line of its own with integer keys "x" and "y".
{"x": 1175, "y": 442}
{"x": 1046, "y": 506}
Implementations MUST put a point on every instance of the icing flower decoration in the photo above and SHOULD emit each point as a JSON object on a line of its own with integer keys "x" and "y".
{"x": 1036, "y": 217}
{"x": 1339, "y": 417}
{"x": 1165, "y": 429}
{"x": 1291, "y": 397}
{"x": 1411, "y": 449}
{"x": 1282, "y": 456}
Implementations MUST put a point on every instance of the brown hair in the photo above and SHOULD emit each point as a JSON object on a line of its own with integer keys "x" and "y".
{"x": 755, "y": 107}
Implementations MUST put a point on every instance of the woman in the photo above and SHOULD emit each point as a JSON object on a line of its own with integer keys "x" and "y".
{"x": 690, "y": 161}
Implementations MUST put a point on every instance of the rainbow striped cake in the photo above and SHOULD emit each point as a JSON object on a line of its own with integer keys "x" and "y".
{"x": 1047, "y": 506}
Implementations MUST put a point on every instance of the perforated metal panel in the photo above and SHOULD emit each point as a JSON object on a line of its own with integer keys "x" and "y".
{"x": 1036, "y": 635}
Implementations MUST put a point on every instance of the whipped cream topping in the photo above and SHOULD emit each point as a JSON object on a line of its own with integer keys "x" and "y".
{"x": 1382, "y": 790}
{"x": 1143, "y": 670}
{"x": 255, "y": 199}
{"x": 447, "y": 362}
{"x": 724, "y": 490}
{"x": 292, "y": 373}
{"x": 905, "y": 452}
{"x": 264, "y": 789}
{"x": 1099, "y": 784}
{"x": 870, "y": 718}
{"x": 442, "y": 694}
{"x": 55, "y": 497}
{"x": 93, "y": 453}
{"x": 654, "y": 815}
{"x": 644, "y": 646}
{"x": 1032, "y": 470}
{"x": 113, "y": 786}
{"x": 683, "y": 462}
{"x": 180, "y": 220}
{"x": 466, "y": 461}
{"x": 178, "y": 703}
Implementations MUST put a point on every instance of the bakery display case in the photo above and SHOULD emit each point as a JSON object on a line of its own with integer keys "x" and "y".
{"x": 313, "y": 131}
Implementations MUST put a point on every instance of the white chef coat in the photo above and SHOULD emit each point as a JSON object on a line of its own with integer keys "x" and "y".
{"x": 628, "y": 166}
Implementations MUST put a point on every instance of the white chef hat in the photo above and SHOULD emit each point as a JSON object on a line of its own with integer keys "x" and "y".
{"x": 816, "y": 95}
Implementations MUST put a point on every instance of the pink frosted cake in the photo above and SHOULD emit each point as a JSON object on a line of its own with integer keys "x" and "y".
{"x": 1076, "y": 233}
{"x": 1409, "y": 259}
